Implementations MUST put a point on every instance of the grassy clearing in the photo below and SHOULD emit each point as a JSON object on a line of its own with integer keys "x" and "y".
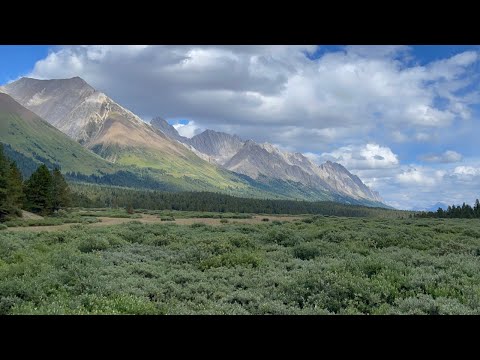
{"x": 318, "y": 265}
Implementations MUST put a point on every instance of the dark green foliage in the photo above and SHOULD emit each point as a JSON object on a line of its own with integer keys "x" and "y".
{"x": 167, "y": 218}
{"x": 11, "y": 191}
{"x": 330, "y": 265}
{"x": 46, "y": 192}
{"x": 306, "y": 251}
{"x": 464, "y": 212}
{"x": 100, "y": 197}
{"x": 39, "y": 191}
{"x": 15, "y": 187}
{"x": 61, "y": 196}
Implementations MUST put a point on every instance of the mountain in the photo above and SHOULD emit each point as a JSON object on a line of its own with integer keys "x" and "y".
{"x": 218, "y": 146}
{"x": 157, "y": 153}
{"x": 264, "y": 162}
{"x": 433, "y": 208}
{"x": 167, "y": 129}
{"x": 30, "y": 138}
{"x": 344, "y": 182}
{"x": 118, "y": 135}
{"x": 268, "y": 162}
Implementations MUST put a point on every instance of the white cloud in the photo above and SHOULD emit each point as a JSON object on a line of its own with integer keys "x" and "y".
{"x": 466, "y": 171}
{"x": 372, "y": 94}
{"x": 342, "y": 92}
{"x": 448, "y": 156}
{"x": 416, "y": 177}
{"x": 368, "y": 156}
{"x": 188, "y": 130}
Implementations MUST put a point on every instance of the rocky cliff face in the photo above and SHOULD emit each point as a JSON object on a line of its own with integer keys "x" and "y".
{"x": 219, "y": 146}
{"x": 84, "y": 114}
{"x": 115, "y": 133}
{"x": 167, "y": 129}
{"x": 265, "y": 160}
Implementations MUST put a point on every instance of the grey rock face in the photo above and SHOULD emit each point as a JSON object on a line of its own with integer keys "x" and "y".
{"x": 346, "y": 183}
{"x": 256, "y": 160}
{"x": 169, "y": 130}
{"x": 92, "y": 118}
{"x": 71, "y": 105}
{"x": 217, "y": 145}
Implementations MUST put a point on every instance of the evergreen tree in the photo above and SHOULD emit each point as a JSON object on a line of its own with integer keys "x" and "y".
{"x": 11, "y": 192}
{"x": 60, "y": 191}
{"x": 4, "y": 172}
{"x": 38, "y": 191}
{"x": 15, "y": 194}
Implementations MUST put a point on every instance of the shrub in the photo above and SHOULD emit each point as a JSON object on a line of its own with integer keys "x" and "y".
{"x": 237, "y": 258}
{"x": 3, "y": 227}
{"x": 167, "y": 218}
{"x": 93, "y": 243}
{"x": 306, "y": 251}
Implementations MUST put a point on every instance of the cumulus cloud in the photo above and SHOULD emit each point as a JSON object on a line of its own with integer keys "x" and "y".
{"x": 466, "y": 171}
{"x": 448, "y": 156}
{"x": 417, "y": 177}
{"x": 342, "y": 92}
{"x": 360, "y": 157}
{"x": 349, "y": 100}
{"x": 188, "y": 130}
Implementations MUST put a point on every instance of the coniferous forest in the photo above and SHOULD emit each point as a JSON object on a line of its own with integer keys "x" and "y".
{"x": 114, "y": 250}
{"x": 454, "y": 212}
{"x": 43, "y": 193}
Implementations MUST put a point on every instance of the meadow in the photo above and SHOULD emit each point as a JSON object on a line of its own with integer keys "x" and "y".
{"x": 305, "y": 265}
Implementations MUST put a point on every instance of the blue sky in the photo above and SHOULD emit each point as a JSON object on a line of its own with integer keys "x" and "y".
{"x": 403, "y": 118}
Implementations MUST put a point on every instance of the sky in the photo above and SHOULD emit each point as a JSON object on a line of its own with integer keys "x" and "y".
{"x": 405, "y": 119}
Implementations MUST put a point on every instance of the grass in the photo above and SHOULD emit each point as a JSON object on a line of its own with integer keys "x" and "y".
{"x": 37, "y": 139}
{"x": 329, "y": 265}
{"x": 51, "y": 221}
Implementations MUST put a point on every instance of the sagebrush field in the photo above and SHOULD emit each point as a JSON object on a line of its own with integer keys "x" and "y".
{"x": 311, "y": 265}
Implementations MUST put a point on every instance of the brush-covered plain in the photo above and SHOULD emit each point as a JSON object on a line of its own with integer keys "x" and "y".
{"x": 318, "y": 265}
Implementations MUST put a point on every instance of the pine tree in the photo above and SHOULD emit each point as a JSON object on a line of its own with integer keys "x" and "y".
{"x": 15, "y": 194}
{"x": 11, "y": 191}
{"x": 4, "y": 171}
{"x": 38, "y": 191}
{"x": 61, "y": 195}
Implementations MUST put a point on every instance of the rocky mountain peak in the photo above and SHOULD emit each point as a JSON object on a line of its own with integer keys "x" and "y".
{"x": 163, "y": 125}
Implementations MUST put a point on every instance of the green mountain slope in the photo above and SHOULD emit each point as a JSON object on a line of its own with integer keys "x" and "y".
{"x": 130, "y": 155}
{"x": 31, "y": 136}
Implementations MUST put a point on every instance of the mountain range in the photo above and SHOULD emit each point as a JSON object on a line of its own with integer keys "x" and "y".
{"x": 265, "y": 160}
{"x": 85, "y": 132}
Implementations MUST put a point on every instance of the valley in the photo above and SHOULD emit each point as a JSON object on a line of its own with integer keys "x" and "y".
{"x": 302, "y": 265}
{"x": 155, "y": 152}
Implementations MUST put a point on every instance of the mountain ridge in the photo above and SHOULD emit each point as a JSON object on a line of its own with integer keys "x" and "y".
{"x": 210, "y": 160}
{"x": 256, "y": 160}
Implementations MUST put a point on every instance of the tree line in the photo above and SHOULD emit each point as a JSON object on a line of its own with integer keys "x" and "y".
{"x": 43, "y": 193}
{"x": 88, "y": 196}
{"x": 455, "y": 211}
